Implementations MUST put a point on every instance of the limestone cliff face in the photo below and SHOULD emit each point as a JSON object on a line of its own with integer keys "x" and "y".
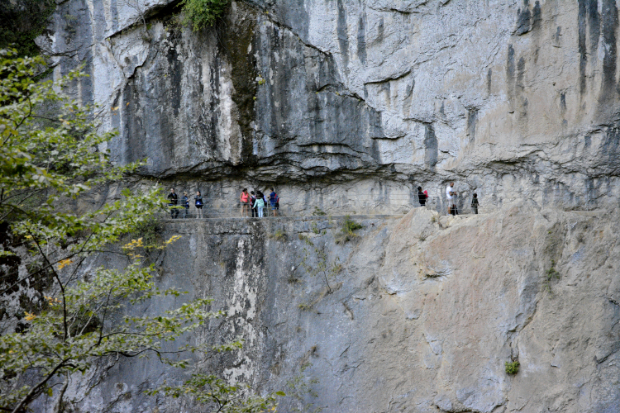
{"x": 512, "y": 99}
{"x": 421, "y": 317}
{"x": 349, "y": 105}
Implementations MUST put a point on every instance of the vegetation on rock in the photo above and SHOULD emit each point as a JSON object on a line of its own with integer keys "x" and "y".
{"x": 72, "y": 312}
{"x": 512, "y": 368}
{"x": 347, "y": 232}
{"x": 203, "y": 13}
{"x": 209, "y": 390}
{"x": 22, "y": 21}
{"x": 319, "y": 264}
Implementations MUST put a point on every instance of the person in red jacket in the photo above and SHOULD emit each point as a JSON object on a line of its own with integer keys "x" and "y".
{"x": 245, "y": 201}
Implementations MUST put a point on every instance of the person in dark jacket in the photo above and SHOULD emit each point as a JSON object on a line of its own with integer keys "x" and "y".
{"x": 173, "y": 199}
{"x": 274, "y": 202}
{"x": 198, "y": 202}
{"x": 474, "y": 204}
{"x": 421, "y": 196}
{"x": 252, "y": 201}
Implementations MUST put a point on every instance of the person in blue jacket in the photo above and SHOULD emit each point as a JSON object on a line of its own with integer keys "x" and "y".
{"x": 185, "y": 200}
{"x": 273, "y": 201}
{"x": 259, "y": 204}
{"x": 198, "y": 203}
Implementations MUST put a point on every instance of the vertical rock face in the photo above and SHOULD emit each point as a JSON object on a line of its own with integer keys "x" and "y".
{"x": 421, "y": 316}
{"x": 512, "y": 99}
{"x": 350, "y": 105}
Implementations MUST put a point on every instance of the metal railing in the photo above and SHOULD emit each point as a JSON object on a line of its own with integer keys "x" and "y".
{"x": 180, "y": 212}
{"x": 343, "y": 205}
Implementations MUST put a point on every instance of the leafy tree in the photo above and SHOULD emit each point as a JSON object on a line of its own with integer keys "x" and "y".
{"x": 209, "y": 390}
{"x": 22, "y": 21}
{"x": 72, "y": 315}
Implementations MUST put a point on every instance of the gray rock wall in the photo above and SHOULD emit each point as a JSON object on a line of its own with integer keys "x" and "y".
{"x": 512, "y": 99}
{"x": 349, "y": 106}
{"x": 421, "y": 317}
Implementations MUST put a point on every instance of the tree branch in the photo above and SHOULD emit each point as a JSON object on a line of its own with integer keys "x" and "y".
{"x": 62, "y": 287}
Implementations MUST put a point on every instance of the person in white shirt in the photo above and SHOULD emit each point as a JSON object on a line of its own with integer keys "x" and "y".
{"x": 450, "y": 195}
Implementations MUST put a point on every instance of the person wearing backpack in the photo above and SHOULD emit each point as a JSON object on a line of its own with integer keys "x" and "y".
{"x": 422, "y": 196}
{"x": 198, "y": 203}
{"x": 273, "y": 201}
{"x": 259, "y": 204}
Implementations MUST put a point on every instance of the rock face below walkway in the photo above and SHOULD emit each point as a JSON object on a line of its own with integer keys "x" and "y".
{"x": 420, "y": 314}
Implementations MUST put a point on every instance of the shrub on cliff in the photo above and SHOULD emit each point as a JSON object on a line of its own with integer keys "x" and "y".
{"x": 60, "y": 311}
{"x": 347, "y": 232}
{"x": 512, "y": 368}
{"x": 203, "y": 13}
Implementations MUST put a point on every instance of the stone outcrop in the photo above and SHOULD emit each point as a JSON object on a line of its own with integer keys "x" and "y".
{"x": 421, "y": 315}
{"x": 512, "y": 99}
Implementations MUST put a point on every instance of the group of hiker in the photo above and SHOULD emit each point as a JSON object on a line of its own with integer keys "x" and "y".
{"x": 173, "y": 202}
{"x": 450, "y": 199}
{"x": 254, "y": 203}
{"x": 250, "y": 201}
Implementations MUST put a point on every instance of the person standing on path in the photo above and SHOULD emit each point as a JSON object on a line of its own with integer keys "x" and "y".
{"x": 185, "y": 200}
{"x": 173, "y": 200}
{"x": 421, "y": 196}
{"x": 252, "y": 202}
{"x": 273, "y": 200}
{"x": 259, "y": 204}
{"x": 198, "y": 203}
{"x": 245, "y": 201}
{"x": 450, "y": 197}
{"x": 474, "y": 203}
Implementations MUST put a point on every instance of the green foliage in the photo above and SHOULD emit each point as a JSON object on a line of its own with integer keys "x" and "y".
{"x": 21, "y": 22}
{"x": 319, "y": 264}
{"x": 305, "y": 306}
{"x": 203, "y": 13}
{"x": 512, "y": 368}
{"x": 279, "y": 235}
{"x": 49, "y": 162}
{"x": 300, "y": 389}
{"x": 315, "y": 228}
{"x": 347, "y": 232}
{"x": 218, "y": 396}
{"x": 318, "y": 211}
{"x": 551, "y": 275}
{"x": 149, "y": 231}
{"x": 551, "y": 272}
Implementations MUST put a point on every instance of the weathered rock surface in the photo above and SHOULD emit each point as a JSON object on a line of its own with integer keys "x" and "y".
{"x": 349, "y": 106}
{"x": 421, "y": 318}
{"x": 512, "y": 99}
